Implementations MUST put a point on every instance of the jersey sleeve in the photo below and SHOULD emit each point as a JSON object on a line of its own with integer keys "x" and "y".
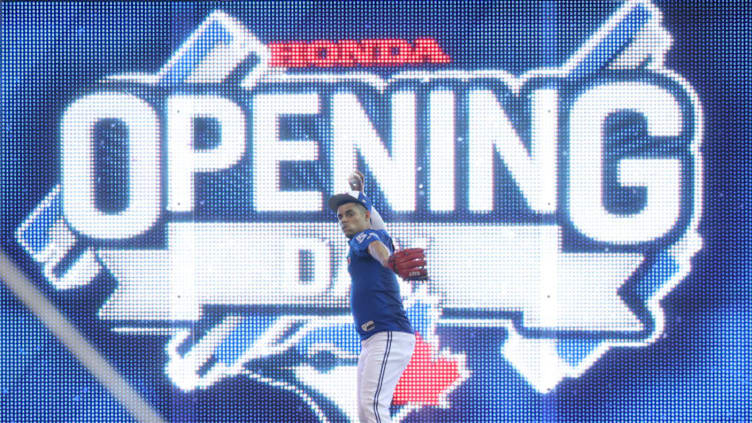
{"x": 377, "y": 222}
{"x": 360, "y": 242}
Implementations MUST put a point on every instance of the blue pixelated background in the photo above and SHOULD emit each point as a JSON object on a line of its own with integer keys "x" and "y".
{"x": 699, "y": 370}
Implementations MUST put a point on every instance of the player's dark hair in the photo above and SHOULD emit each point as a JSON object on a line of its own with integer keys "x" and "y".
{"x": 361, "y": 207}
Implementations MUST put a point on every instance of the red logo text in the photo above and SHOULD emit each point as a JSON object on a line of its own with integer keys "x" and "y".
{"x": 351, "y": 53}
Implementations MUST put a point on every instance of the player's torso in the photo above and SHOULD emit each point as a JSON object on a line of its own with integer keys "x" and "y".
{"x": 374, "y": 293}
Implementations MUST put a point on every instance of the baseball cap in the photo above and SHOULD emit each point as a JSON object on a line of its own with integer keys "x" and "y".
{"x": 349, "y": 197}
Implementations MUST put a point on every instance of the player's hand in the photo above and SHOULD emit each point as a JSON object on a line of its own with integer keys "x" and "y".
{"x": 409, "y": 264}
{"x": 356, "y": 181}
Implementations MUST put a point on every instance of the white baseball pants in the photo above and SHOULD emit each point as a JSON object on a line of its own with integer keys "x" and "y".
{"x": 383, "y": 358}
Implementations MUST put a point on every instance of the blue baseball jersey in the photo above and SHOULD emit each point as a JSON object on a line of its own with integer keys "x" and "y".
{"x": 374, "y": 295}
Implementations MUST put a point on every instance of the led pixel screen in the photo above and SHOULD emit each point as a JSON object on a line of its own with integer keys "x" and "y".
{"x": 576, "y": 172}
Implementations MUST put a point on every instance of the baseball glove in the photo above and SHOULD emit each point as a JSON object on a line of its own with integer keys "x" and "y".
{"x": 409, "y": 264}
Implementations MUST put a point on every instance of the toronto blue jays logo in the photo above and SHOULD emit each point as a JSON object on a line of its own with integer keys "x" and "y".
{"x": 560, "y": 205}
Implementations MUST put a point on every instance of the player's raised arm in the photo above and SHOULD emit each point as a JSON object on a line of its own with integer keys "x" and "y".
{"x": 357, "y": 182}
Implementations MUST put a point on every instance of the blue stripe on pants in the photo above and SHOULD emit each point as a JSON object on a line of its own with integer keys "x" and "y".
{"x": 381, "y": 376}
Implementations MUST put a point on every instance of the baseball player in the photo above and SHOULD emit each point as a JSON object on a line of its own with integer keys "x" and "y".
{"x": 387, "y": 339}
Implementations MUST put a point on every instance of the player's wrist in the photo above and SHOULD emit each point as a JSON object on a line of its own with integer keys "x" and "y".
{"x": 389, "y": 263}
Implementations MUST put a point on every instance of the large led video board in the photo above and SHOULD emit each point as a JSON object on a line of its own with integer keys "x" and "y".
{"x": 575, "y": 172}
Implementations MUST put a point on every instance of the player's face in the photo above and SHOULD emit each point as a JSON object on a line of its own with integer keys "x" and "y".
{"x": 353, "y": 218}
